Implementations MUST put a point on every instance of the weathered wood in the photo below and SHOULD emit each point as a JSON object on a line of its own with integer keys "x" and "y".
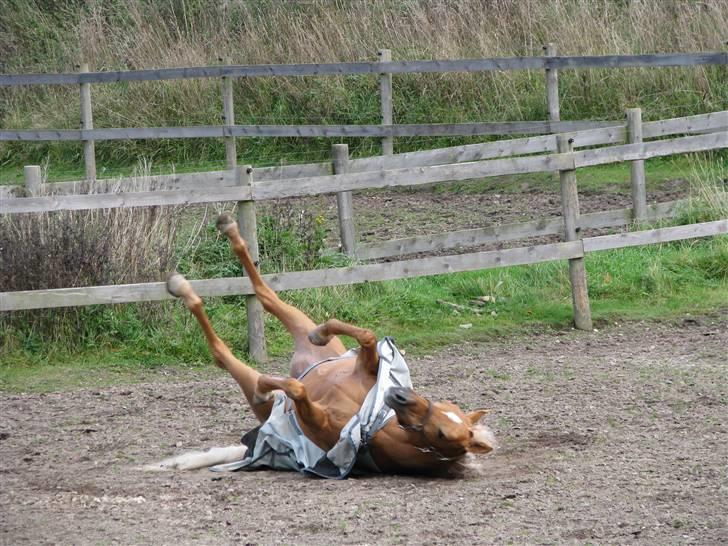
{"x": 344, "y": 201}
{"x": 570, "y": 211}
{"x": 700, "y": 123}
{"x": 508, "y": 232}
{"x": 221, "y": 131}
{"x": 385, "y": 98}
{"x": 408, "y": 177}
{"x": 488, "y": 150}
{"x": 248, "y": 226}
{"x": 689, "y": 124}
{"x": 552, "y": 85}
{"x": 121, "y": 200}
{"x": 32, "y": 177}
{"x": 282, "y": 172}
{"x": 87, "y": 123}
{"x": 395, "y": 67}
{"x": 456, "y": 154}
{"x": 378, "y": 179}
{"x": 654, "y": 236}
{"x": 647, "y": 150}
{"x": 186, "y": 181}
{"x": 228, "y": 107}
{"x": 67, "y": 297}
{"x": 637, "y": 167}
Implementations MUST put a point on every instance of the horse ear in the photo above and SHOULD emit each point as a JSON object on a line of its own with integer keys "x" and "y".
{"x": 483, "y": 440}
{"x": 475, "y": 416}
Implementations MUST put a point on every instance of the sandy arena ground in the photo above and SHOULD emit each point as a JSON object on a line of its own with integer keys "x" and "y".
{"x": 613, "y": 437}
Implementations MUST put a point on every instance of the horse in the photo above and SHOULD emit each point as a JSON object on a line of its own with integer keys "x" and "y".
{"x": 338, "y": 411}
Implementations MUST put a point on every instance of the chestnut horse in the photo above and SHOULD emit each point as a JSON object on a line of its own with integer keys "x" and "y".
{"x": 417, "y": 435}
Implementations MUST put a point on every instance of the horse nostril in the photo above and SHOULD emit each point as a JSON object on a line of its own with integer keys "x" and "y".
{"x": 398, "y": 397}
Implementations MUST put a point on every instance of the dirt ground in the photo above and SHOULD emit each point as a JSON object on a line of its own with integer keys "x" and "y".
{"x": 617, "y": 436}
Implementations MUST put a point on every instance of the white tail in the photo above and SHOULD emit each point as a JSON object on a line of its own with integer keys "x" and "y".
{"x": 200, "y": 459}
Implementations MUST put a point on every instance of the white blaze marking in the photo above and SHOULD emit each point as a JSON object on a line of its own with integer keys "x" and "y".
{"x": 454, "y": 418}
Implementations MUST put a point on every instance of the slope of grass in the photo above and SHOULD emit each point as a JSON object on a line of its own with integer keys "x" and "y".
{"x": 57, "y": 36}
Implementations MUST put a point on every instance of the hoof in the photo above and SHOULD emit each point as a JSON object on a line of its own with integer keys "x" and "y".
{"x": 226, "y": 223}
{"x": 317, "y": 339}
{"x": 177, "y": 285}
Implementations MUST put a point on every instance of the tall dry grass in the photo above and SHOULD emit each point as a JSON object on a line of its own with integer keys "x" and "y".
{"x": 68, "y": 249}
{"x": 44, "y": 36}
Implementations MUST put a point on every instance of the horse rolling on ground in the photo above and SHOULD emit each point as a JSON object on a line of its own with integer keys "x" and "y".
{"x": 339, "y": 410}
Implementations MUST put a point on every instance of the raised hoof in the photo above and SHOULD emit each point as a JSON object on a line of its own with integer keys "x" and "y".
{"x": 226, "y": 223}
{"x": 177, "y": 285}
{"x": 317, "y": 339}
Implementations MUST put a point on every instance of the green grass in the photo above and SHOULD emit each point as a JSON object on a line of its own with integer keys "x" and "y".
{"x": 653, "y": 283}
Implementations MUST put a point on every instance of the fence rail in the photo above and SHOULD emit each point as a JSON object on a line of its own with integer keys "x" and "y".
{"x": 438, "y": 265}
{"x": 374, "y": 67}
{"x": 317, "y": 185}
{"x": 226, "y": 131}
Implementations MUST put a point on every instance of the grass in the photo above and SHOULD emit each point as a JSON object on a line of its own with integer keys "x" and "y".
{"x": 651, "y": 283}
{"x": 57, "y": 37}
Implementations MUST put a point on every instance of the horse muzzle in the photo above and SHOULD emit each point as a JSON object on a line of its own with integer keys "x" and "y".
{"x": 399, "y": 397}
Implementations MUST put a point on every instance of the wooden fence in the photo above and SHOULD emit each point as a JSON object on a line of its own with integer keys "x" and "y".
{"x": 620, "y": 141}
{"x": 247, "y": 185}
{"x": 550, "y": 63}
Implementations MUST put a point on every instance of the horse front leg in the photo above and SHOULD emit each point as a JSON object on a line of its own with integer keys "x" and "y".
{"x": 245, "y": 376}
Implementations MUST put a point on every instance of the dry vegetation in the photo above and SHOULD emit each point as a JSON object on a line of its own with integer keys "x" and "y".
{"x": 57, "y": 36}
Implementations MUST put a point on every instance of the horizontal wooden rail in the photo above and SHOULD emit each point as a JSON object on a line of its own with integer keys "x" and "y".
{"x": 654, "y": 236}
{"x": 316, "y": 185}
{"x": 122, "y": 200}
{"x": 454, "y": 154}
{"x": 602, "y": 130}
{"x": 68, "y": 297}
{"x": 222, "y": 131}
{"x": 482, "y": 169}
{"x": 508, "y": 232}
{"x": 375, "y": 67}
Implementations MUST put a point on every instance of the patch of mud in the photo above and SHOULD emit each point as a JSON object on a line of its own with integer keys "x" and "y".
{"x": 617, "y": 436}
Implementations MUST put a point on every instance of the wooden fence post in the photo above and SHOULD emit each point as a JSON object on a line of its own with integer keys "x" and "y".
{"x": 87, "y": 123}
{"x": 229, "y": 117}
{"x": 577, "y": 270}
{"x": 385, "y": 92}
{"x": 248, "y": 226}
{"x": 637, "y": 167}
{"x": 344, "y": 202}
{"x": 32, "y": 179}
{"x": 552, "y": 85}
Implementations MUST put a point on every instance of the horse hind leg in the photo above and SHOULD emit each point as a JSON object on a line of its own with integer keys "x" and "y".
{"x": 244, "y": 375}
{"x": 312, "y": 417}
{"x": 295, "y": 321}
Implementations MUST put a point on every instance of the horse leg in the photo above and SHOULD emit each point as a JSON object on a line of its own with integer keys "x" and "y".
{"x": 244, "y": 375}
{"x": 367, "y": 359}
{"x": 296, "y": 321}
{"x": 312, "y": 417}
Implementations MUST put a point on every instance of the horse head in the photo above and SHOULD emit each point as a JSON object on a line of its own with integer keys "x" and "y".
{"x": 440, "y": 429}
